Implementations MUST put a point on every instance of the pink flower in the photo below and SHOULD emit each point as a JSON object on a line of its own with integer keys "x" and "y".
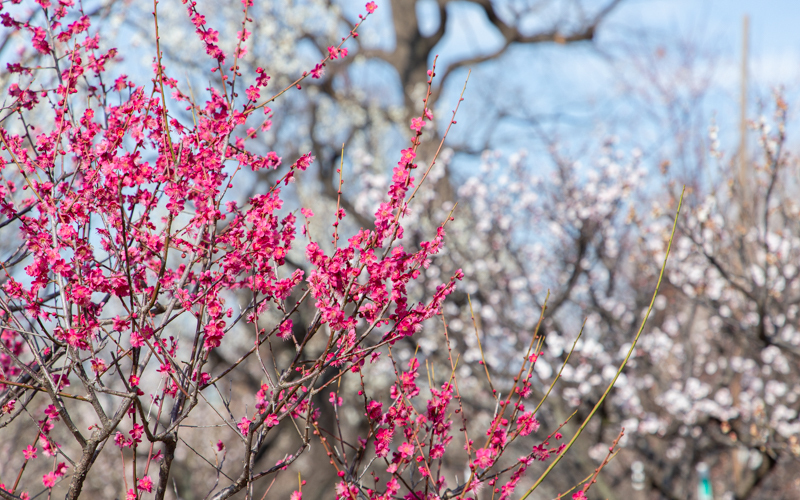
{"x": 417, "y": 124}
{"x": 136, "y": 340}
{"x": 374, "y": 410}
{"x": 131, "y": 495}
{"x": 392, "y": 486}
{"x": 484, "y": 458}
{"x": 244, "y": 425}
{"x": 336, "y": 52}
{"x": 579, "y": 496}
{"x": 527, "y": 423}
{"x": 383, "y": 438}
{"x": 285, "y": 330}
{"x": 318, "y": 71}
{"x": 262, "y": 79}
{"x": 252, "y": 93}
{"x": 81, "y": 295}
{"x": 119, "y": 440}
{"x": 136, "y": 432}
{"x": 407, "y": 156}
{"x": 39, "y": 40}
{"x": 371, "y": 6}
{"x": 145, "y": 484}
{"x": 9, "y": 407}
{"x": 29, "y": 452}
{"x": 296, "y": 495}
{"x": 271, "y": 420}
{"x": 273, "y": 160}
{"x": 475, "y": 486}
{"x": 49, "y": 480}
{"x": 61, "y": 469}
{"x": 48, "y": 448}
{"x": 406, "y": 449}
{"x": 98, "y": 366}
{"x": 304, "y": 161}
{"x": 198, "y": 20}
{"x": 52, "y": 412}
{"x": 306, "y": 212}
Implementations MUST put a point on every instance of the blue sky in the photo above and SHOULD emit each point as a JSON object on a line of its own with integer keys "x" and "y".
{"x": 774, "y": 31}
{"x": 579, "y": 92}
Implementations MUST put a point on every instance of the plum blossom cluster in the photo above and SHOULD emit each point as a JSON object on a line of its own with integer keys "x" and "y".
{"x": 413, "y": 440}
{"x": 687, "y": 377}
{"x": 134, "y": 264}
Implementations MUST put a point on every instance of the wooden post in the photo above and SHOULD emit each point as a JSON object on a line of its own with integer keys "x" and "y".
{"x": 744, "y": 192}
